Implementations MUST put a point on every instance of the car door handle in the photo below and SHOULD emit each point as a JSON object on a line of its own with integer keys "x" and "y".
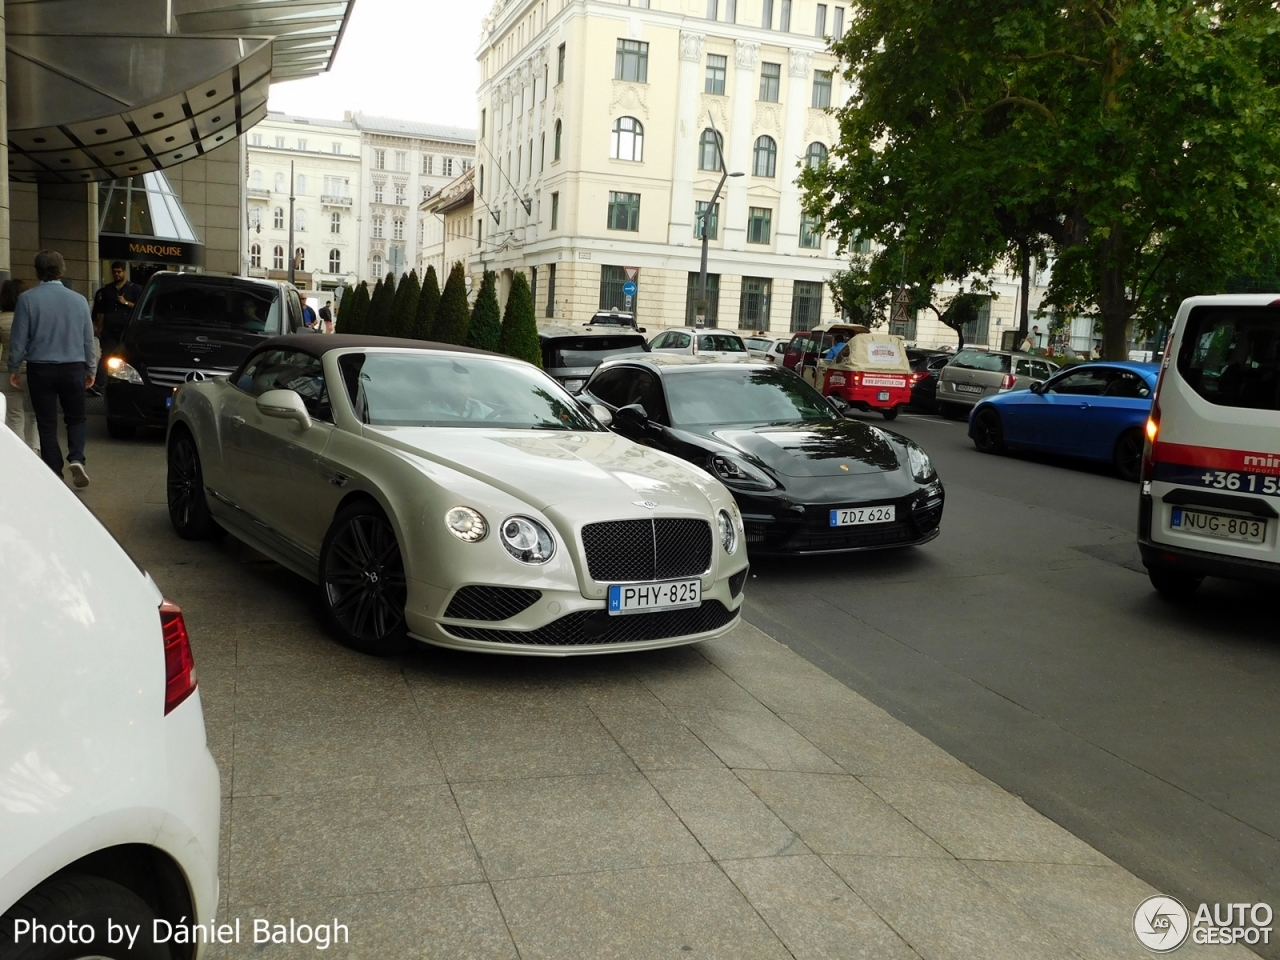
{"x": 238, "y": 421}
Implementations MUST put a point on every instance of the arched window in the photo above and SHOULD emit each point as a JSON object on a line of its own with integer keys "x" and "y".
{"x": 300, "y": 258}
{"x": 377, "y": 266}
{"x": 277, "y": 218}
{"x": 279, "y": 183}
{"x": 335, "y": 261}
{"x": 255, "y": 256}
{"x": 255, "y": 179}
{"x": 816, "y": 155}
{"x": 556, "y": 150}
{"x": 300, "y": 185}
{"x": 709, "y": 150}
{"x": 302, "y": 220}
{"x": 277, "y": 258}
{"x": 628, "y": 140}
{"x": 765, "y": 161}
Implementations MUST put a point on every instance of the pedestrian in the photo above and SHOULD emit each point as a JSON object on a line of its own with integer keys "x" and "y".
{"x": 308, "y": 316}
{"x": 1027, "y": 344}
{"x": 53, "y": 333}
{"x": 112, "y": 307}
{"x": 20, "y": 416}
{"x": 326, "y": 316}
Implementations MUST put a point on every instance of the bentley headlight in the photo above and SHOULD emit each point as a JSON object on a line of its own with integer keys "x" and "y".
{"x": 527, "y": 540}
{"x": 921, "y": 466}
{"x": 728, "y": 532}
{"x": 736, "y": 471}
{"x": 116, "y": 367}
{"x": 466, "y": 524}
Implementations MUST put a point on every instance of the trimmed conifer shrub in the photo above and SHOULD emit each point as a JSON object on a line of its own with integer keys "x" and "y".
{"x": 404, "y": 308}
{"x": 360, "y": 309}
{"x": 486, "y": 315}
{"x": 455, "y": 315}
{"x": 519, "y": 337}
{"x": 342, "y": 317}
{"x": 428, "y": 306}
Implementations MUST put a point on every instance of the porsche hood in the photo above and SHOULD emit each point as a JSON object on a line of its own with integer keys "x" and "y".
{"x": 824, "y": 449}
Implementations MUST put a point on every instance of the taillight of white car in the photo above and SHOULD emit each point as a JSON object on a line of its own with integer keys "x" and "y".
{"x": 179, "y": 666}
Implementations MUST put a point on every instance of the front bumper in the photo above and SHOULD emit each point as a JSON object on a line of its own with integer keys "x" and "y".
{"x": 140, "y": 405}
{"x": 777, "y": 526}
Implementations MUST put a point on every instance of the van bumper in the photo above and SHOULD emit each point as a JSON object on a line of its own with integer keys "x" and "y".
{"x": 1198, "y": 563}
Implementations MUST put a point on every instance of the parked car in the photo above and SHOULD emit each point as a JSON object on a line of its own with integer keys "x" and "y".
{"x": 1211, "y": 468}
{"x": 614, "y": 318}
{"x": 1095, "y": 411}
{"x": 771, "y": 349}
{"x": 973, "y": 374}
{"x": 710, "y": 343}
{"x": 187, "y": 328}
{"x": 109, "y": 797}
{"x": 454, "y": 497}
{"x": 806, "y": 479}
{"x": 571, "y": 355}
{"x": 925, "y": 365}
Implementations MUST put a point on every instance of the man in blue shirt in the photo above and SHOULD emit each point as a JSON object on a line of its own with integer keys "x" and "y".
{"x": 53, "y": 333}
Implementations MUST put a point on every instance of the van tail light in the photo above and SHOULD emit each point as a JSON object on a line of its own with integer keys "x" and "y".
{"x": 1152, "y": 429}
{"x": 1008, "y": 382}
{"x": 179, "y": 666}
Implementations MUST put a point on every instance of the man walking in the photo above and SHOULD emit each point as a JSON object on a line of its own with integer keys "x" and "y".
{"x": 112, "y": 307}
{"x": 53, "y": 332}
{"x": 326, "y": 316}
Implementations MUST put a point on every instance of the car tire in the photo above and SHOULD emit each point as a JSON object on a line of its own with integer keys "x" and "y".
{"x": 1127, "y": 457}
{"x": 890, "y": 414}
{"x": 362, "y": 581}
{"x": 118, "y": 430}
{"x": 988, "y": 432}
{"x": 950, "y": 411}
{"x": 184, "y": 488}
{"x": 84, "y": 901}
{"x": 1174, "y": 585}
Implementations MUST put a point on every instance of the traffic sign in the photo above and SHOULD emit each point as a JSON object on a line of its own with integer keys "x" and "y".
{"x": 631, "y": 272}
{"x": 904, "y": 297}
{"x": 629, "y": 288}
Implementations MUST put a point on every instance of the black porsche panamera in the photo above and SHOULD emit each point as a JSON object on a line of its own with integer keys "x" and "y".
{"x": 806, "y": 479}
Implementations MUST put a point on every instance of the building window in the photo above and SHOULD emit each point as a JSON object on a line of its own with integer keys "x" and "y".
{"x": 255, "y": 256}
{"x": 378, "y": 187}
{"x": 379, "y": 159}
{"x": 465, "y": 165}
{"x": 480, "y": 185}
{"x": 428, "y": 165}
{"x": 770, "y": 81}
{"x": 978, "y": 330}
{"x": 551, "y": 290}
{"x": 806, "y": 305}
{"x": 766, "y": 15}
{"x": 712, "y": 318}
{"x": 337, "y": 147}
{"x": 255, "y": 180}
{"x": 815, "y": 155}
{"x": 560, "y": 64}
{"x": 277, "y": 218}
{"x": 837, "y": 27}
{"x": 300, "y": 259}
{"x": 753, "y": 308}
{"x": 400, "y": 200}
{"x": 555, "y": 211}
{"x": 555, "y": 153}
{"x": 612, "y": 280}
{"x": 446, "y": 164}
{"x": 730, "y": 11}
{"x": 277, "y": 258}
{"x": 279, "y": 143}
{"x": 377, "y": 267}
{"x": 810, "y": 233}
{"x": 542, "y": 152}
{"x": 632, "y": 61}
{"x": 302, "y": 144}
{"x": 377, "y": 228}
{"x": 397, "y": 229}
{"x": 335, "y": 222}
{"x": 709, "y": 149}
{"x": 628, "y": 140}
{"x": 820, "y": 27}
{"x": 784, "y": 22}
{"x": 257, "y": 140}
{"x": 479, "y": 232}
{"x": 301, "y": 218}
{"x": 759, "y": 225}
{"x": 711, "y": 219}
{"x": 624, "y": 211}
{"x": 822, "y": 89}
{"x": 300, "y": 187}
{"x": 255, "y": 218}
{"x": 764, "y": 161}
{"x": 713, "y": 9}
{"x": 402, "y": 161}
{"x": 279, "y": 183}
{"x": 716, "y": 70}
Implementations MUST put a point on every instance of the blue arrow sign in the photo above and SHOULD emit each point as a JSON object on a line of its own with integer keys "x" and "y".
{"x": 629, "y": 288}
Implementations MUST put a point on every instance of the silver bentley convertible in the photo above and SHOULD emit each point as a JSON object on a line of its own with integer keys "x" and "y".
{"x": 453, "y": 497}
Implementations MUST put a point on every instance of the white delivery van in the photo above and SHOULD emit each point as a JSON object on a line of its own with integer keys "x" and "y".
{"x": 1210, "y": 501}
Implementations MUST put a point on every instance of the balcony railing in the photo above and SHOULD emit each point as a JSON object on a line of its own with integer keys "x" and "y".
{"x": 333, "y": 200}
{"x": 259, "y": 192}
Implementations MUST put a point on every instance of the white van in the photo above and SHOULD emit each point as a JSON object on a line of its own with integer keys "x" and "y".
{"x": 1211, "y": 468}
{"x": 108, "y": 793}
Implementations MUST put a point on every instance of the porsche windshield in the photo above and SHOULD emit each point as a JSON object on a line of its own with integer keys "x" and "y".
{"x": 738, "y": 395}
{"x": 422, "y": 389}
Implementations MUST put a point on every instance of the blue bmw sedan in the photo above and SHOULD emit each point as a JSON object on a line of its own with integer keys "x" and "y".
{"x": 1094, "y": 411}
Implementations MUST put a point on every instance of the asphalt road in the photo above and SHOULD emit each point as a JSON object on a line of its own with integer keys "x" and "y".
{"x": 1027, "y": 641}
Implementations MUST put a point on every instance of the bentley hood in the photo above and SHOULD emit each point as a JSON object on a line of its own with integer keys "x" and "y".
{"x": 823, "y": 449}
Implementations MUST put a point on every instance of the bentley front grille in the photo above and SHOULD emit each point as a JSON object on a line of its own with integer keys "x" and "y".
{"x": 627, "y": 551}
{"x": 490, "y": 603}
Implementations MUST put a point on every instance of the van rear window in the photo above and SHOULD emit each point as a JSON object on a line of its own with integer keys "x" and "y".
{"x": 981, "y": 360}
{"x": 1231, "y": 356}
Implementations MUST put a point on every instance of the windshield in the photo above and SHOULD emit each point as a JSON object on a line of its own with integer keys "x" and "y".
{"x": 722, "y": 396}
{"x": 423, "y": 389}
{"x": 589, "y": 351}
{"x": 981, "y": 360}
{"x": 720, "y": 342}
{"x": 191, "y": 302}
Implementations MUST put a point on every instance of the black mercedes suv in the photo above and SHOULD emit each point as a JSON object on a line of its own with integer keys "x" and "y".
{"x": 190, "y": 327}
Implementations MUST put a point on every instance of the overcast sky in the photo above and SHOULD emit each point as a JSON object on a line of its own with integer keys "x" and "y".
{"x": 408, "y": 59}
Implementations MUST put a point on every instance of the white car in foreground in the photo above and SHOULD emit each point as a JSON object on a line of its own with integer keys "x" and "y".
{"x": 109, "y": 796}
{"x": 454, "y": 497}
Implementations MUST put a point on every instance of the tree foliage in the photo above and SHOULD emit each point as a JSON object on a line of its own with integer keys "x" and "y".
{"x": 1137, "y": 140}
{"x": 342, "y": 316}
{"x": 486, "y": 316}
{"x": 428, "y": 306}
{"x": 374, "y": 316}
{"x": 404, "y": 308}
{"x": 454, "y": 316}
{"x": 519, "y": 336}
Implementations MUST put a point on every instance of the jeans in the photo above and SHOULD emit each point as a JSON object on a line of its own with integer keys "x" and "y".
{"x": 51, "y": 384}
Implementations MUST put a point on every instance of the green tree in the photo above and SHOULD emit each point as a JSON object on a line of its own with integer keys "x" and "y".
{"x": 370, "y": 326}
{"x": 404, "y": 309}
{"x": 454, "y": 316}
{"x": 342, "y": 315}
{"x": 486, "y": 315}
{"x": 519, "y": 337}
{"x": 1135, "y": 139}
{"x": 359, "y": 309}
{"x": 428, "y": 306}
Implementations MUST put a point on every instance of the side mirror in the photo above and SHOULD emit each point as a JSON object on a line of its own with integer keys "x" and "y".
{"x": 642, "y": 329}
{"x": 601, "y": 413}
{"x": 633, "y": 415}
{"x": 1037, "y": 386}
{"x": 284, "y": 405}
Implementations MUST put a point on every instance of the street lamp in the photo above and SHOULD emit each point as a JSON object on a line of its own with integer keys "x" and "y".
{"x": 700, "y": 305}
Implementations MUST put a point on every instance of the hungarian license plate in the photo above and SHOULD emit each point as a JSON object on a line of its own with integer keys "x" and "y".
{"x": 883, "y": 395}
{"x": 968, "y": 388}
{"x": 1219, "y": 525}
{"x": 857, "y": 516}
{"x": 629, "y": 598}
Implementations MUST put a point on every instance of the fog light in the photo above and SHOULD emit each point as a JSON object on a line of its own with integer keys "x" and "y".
{"x": 466, "y": 524}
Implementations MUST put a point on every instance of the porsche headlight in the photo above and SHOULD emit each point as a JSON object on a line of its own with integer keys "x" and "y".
{"x": 921, "y": 466}
{"x": 736, "y": 471}
{"x": 466, "y": 524}
{"x": 117, "y": 368}
{"x": 527, "y": 540}
{"x": 728, "y": 532}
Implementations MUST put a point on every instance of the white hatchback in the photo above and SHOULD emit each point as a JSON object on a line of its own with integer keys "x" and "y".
{"x": 720, "y": 344}
{"x": 109, "y": 796}
{"x": 1211, "y": 468}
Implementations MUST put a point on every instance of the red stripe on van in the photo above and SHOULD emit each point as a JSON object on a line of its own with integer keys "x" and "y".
{"x": 1215, "y": 458}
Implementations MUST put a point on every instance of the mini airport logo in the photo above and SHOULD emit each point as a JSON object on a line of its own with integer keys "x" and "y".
{"x": 1161, "y": 924}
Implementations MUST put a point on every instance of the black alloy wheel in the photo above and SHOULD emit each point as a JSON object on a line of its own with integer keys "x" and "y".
{"x": 188, "y": 506}
{"x": 1128, "y": 456}
{"x": 1174, "y": 585}
{"x": 988, "y": 432}
{"x": 363, "y": 583}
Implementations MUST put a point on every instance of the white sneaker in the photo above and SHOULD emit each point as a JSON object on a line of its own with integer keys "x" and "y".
{"x": 79, "y": 476}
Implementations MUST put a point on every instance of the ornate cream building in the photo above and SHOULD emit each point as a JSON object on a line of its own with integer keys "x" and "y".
{"x": 596, "y": 151}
